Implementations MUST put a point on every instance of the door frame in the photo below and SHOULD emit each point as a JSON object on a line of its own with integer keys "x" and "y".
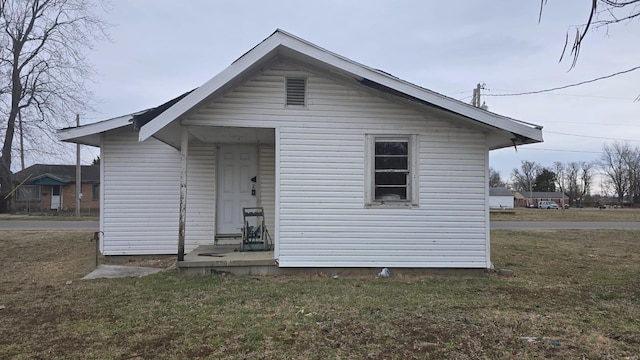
{"x": 59, "y": 197}
{"x": 219, "y": 182}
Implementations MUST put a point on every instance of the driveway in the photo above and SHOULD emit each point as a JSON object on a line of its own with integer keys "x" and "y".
{"x": 48, "y": 225}
{"x": 559, "y": 225}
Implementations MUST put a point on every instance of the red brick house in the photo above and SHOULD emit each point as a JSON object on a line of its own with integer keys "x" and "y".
{"x": 47, "y": 188}
{"x": 526, "y": 199}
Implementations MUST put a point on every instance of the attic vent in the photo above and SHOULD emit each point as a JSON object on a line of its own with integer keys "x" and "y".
{"x": 296, "y": 90}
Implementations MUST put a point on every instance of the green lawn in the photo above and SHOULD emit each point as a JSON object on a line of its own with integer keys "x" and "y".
{"x": 576, "y": 292}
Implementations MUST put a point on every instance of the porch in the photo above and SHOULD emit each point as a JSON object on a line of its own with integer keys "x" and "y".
{"x": 212, "y": 259}
{"x": 224, "y": 170}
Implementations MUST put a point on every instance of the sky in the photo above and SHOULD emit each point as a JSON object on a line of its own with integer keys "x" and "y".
{"x": 159, "y": 49}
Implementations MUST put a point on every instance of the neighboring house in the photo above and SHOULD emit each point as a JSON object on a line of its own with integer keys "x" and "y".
{"x": 354, "y": 167}
{"x": 527, "y": 199}
{"x": 501, "y": 198}
{"x": 44, "y": 188}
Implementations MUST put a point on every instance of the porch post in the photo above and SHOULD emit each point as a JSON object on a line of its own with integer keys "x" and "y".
{"x": 184, "y": 148}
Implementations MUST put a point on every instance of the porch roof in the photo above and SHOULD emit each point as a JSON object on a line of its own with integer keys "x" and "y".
{"x": 90, "y": 134}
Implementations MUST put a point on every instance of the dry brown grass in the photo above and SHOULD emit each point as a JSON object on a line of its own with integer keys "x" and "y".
{"x": 579, "y": 288}
{"x": 586, "y": 214}
{"x": 49, "y": 217}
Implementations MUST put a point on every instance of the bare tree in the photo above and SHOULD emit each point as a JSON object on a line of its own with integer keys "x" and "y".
{"x": 524, "y": 178}
{"x": 602, "y": 14}
{"x": 633, "y": 174}
{"x": 44, "y": 70}
{"x": 614, "y": 162}
{"x": 573, "y": 184}
{"x": 586, "y": 178}
{"x": 579, "y": 176}
{"x": 494, "y": 178}
{"x": 559, "y": 169}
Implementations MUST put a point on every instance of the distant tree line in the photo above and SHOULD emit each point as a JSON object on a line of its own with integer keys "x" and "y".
{"x": 573, "y": 178}
{"x": 619, "y": 165}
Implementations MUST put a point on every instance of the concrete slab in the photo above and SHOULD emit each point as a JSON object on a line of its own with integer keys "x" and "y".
{"x": 118, "y": 271}
{"x": 208, "y": 259}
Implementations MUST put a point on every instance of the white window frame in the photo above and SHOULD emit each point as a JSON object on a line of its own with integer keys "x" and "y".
{"x": 413, "y": 188}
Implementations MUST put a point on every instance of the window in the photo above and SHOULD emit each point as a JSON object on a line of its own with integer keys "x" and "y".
{"x": 392, "y": 170}
{"x": 28, "y": 193}
{"x": 296, "y": 89}
{"x": 95, "y": 192}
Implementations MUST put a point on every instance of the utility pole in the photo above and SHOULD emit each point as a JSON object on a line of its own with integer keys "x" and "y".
{"x": 78, "y": 174}
{"x": 474, "y": 96}
{"x": 475, "y": 99}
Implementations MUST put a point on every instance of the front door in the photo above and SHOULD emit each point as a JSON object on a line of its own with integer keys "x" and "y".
{"x": 55, "y": 197}
{"x": 237, "y": 165}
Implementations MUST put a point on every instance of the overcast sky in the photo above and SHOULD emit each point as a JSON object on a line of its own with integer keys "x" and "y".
{"x": 162, "y": 48}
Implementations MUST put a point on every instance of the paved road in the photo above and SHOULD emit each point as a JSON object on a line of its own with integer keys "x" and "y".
{"x": 48, "y": 225}
{"x": 495, "y": 225}
{"x": 556, "y": 225}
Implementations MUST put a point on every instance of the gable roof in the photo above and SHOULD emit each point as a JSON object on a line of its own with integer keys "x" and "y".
{"x": 503, "y": 131}
{"x": 284, "y": 45}
{"x": 44, "y": 174}
{"x": 497, "y": 191}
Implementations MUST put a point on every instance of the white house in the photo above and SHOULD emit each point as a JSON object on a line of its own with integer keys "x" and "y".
{"x": 501, "y": 198}
{"x": 353, "y": 166}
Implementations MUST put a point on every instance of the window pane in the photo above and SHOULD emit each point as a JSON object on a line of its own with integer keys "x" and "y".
{"x": 383, "y": 178}
{"x": 391, "y": 193}
{"x": 392, "y": 148}
{"x": 27, "y": 192}
{"x": 391, "y": 162}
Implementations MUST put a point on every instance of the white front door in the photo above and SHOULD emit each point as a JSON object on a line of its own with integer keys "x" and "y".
{"x": 55, "y": 197}
{"x": 237, "y": 165}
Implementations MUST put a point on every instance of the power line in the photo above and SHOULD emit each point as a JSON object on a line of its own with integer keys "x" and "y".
{"x": 458, "y": 93}
{"x": 562, "y": 150}
{"x": 570, "y": 85}
{"x": 592, "y": 123}
{"x": 590, "y": 137}
{"x": 571, "y": 95}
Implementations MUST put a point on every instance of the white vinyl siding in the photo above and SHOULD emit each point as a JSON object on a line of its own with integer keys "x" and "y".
{"x": 142, "y": 192}
{"x": 141, "y": 188}
{"x": 201, "y": 203}
{"x": 323, "y": 222}
{"x": 267, "y": 181}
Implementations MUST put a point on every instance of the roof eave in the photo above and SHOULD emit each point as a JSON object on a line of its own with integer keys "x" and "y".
{"x": 88, "y": 134}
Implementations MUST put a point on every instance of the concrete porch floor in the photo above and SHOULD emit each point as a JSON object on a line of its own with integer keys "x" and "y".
{"x": 208, "y": 259}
